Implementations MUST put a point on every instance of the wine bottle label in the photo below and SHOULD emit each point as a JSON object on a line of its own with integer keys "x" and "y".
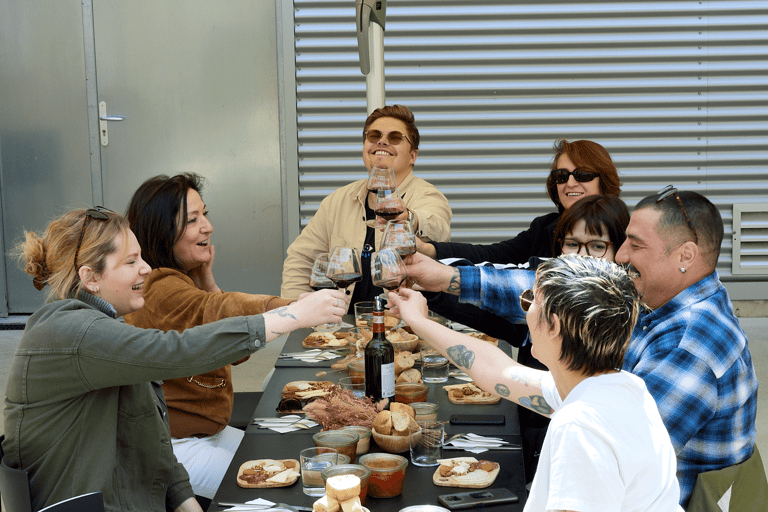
{"x": 387, "y": 380}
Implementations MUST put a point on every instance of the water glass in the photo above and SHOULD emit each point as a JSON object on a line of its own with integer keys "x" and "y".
{"x": 353, "y": 384}
{"x": 426, "y": 443}
{"x": 313, "y": 462}
{"x": 364, "y": 314}
{"x": 434, "y": 367}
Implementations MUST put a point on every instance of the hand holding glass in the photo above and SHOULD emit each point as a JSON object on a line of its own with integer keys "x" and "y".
{"x": 398, "y": 235}
{"x": 388, "y": 270}
{"x": 344, "y": 266}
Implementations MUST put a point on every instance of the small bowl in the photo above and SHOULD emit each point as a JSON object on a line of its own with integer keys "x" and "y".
{"x": 392, "y": 444}
{"x": 364, "y": 441}
{"x": 350, "y": 469}
{"x": 357, "y": 370}
{"x": 424, "y": 508}
{"x": 408, "y": 344}
{"x": 425, "y": 411}
{"x": 387, "y": 474}
{"x": 409, "y": 392}
{"x": 344, "y": 442}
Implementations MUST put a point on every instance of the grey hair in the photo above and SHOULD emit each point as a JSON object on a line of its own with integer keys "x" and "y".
{"x": 597, "y": 306}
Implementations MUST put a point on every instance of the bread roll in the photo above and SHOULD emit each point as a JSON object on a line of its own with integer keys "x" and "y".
{"x": 403, "y": 361}
{"x": 409, "y": 375}
{"x": 399, "y": 406}
{"x": 352, "y": 505}
{"x": 400, "y": 422}
{"x": 343, "y": 488}
{"x": 382, "y": 423}
{"x": 325, "y": 504}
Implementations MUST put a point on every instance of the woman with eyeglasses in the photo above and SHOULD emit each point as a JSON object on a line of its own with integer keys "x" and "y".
{"x": 171, "y": 224}
{"x": 84, "y": 409}
{"x": 346, "y": 217}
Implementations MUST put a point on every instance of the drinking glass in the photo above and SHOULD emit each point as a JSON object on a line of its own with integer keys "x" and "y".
{"x": 318, "y": 281}
{"x": 398, "y": 235}
{"x": 344, "y": 266}
{"x": 388, "y": 205}
{"x": 388, "y": 270}
{"x": 381, "y": 178}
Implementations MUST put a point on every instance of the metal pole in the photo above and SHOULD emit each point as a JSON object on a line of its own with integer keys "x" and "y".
{"x": 374, "y": 80}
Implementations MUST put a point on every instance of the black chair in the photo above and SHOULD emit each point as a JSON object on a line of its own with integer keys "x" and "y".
{"x": 91, "y": 502}
{"x": 244, "y": 404}
{"x": 14, "y": 487}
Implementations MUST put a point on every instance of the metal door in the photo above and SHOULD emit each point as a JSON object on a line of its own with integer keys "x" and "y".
{"x": 197, "y": 84}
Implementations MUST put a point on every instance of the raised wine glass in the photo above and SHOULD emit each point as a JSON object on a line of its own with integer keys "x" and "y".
{"x": 388, "y": 270}
{"x": 388, "y": 205}
{"x": 381, "y": 178}
{"x": 344, "y": 266}
{"x": 398, "y": 235}
{"x": 318, "y": 281}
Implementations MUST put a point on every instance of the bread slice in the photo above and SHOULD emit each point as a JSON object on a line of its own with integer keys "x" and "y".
{"x": 409, "y": 375}
{"x": 352, "y": 505}
{"x": 399, "y": 406}
{"x": 343, "y": 488}
{"x": 325, "y": 504}
{"x": 403, "y": 361}
{"x": 400, "y": 423}
{"x": 382, "y": 423}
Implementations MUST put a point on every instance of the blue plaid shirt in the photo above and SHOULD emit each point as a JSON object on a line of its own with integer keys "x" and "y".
{"x": 692, "y": 355}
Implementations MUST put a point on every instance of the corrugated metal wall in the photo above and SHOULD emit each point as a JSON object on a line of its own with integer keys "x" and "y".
{"x": 676, "y": 91}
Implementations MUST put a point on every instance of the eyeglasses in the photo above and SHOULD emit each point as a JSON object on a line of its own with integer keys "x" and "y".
{"x": 97, "y": 212}
{"x": 394, "y": 138}
{"x": 580, "y": 174}
{"x": 668, "y": 191}
{"x": 526, "y": 300}
{"x": 596, "y": 248}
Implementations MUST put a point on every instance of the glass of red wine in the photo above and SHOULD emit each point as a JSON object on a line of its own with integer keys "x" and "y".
{"x": 398, "y": 235}
{"x": 388, "y": 205}
{"x": 381, "y": 178}
{"x": 344, "y": 266}
{"x": 388, "y": 270}
{"x": 319, "y": 281}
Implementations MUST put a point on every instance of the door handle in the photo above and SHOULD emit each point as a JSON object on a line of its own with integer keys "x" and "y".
{"x": 104, "y": 118}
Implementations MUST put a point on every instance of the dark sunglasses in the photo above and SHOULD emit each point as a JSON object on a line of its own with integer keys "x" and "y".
{"x": 394, "y": 138}
{"x": 581, "y": 174}
{"x": 668, "y": 191}
{"x": 97, "y": 212}
{"x": 526, "y": 300}
{"x": 596, "y": 248}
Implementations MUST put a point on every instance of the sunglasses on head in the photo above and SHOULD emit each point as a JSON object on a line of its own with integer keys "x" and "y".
{"x": 580, "y": 174}
{"x": 526, "y": 300}
{"x": 670, "y": 191}
{"x": 394, "y": 138}
{"x": 97, "y": 212}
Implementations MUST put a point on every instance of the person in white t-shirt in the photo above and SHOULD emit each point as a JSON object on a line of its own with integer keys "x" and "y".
{"x": 606, "y": 448}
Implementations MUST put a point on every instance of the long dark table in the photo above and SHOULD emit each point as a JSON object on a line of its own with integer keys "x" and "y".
{"x": 267, "y": 407}
{"x": 417, "y": 490}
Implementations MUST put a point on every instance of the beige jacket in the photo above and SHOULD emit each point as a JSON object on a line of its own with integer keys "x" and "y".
{"x": 340, "y": 220}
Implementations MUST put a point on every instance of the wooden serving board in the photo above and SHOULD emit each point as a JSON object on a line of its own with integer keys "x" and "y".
{"x": 476, "y": 398}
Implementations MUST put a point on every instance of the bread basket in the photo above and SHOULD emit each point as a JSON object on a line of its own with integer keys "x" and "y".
{"x": 394, "y": 444}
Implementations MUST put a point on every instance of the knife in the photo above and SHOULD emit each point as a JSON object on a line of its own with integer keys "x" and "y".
{"x": 513, "y": 447}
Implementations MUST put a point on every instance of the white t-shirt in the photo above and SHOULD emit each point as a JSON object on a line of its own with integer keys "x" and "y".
{"x": 606, "y": 449}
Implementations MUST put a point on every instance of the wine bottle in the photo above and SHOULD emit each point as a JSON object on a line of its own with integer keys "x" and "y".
{"x": 379, "y": 359}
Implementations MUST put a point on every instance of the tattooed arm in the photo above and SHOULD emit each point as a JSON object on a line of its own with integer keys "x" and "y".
{"x": 311, "y": 309}
{"x": 490, "y": 368}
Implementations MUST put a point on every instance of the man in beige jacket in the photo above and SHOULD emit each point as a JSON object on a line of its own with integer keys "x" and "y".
{"x": 390, "y": 139}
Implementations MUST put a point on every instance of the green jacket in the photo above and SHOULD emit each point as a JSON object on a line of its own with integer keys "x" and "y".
{"x": 85, "y": 412}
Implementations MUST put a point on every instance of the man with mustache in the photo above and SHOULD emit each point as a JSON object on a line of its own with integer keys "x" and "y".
{"x": 688, "y": 348}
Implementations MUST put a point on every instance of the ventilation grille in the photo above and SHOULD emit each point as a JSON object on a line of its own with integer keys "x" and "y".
{"x": 750, "y": 239}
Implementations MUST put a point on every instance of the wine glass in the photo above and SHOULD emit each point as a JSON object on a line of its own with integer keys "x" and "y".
{"x": 388, "y": 270}
{"x": 344, "y": 266}
{"x": 381, "y": 178}
{"x": 398, "y": 235}
{"x": 388, "y": 205}
{"x": 318, "y": 281}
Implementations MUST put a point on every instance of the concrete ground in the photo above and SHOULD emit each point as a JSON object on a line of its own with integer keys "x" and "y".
{"x": 250, "y": 375}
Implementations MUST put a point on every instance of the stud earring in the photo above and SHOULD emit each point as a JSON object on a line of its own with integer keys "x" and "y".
{"x": 682, "y": 269}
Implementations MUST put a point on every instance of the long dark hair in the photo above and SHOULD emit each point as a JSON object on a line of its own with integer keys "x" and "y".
{"x": 597, "y": 212}
{"x": 157, "y": 214}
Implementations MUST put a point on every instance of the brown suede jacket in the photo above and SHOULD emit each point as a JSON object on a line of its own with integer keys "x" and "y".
{"x": 200, "y": 405}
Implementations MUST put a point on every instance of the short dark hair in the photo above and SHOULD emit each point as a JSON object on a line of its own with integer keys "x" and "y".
{"x": 597, "y": 306}
{"x": 585, "y": 153}
{"x": 673, "y": 227}
{"x": 597, "y": 212}
{"x": 157, "y": 214}
{"x": 400, "y": 112}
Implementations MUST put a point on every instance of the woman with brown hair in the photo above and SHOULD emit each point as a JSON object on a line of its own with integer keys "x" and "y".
{"x": 172, "y": 227}
{"x": 84, "y": 411}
